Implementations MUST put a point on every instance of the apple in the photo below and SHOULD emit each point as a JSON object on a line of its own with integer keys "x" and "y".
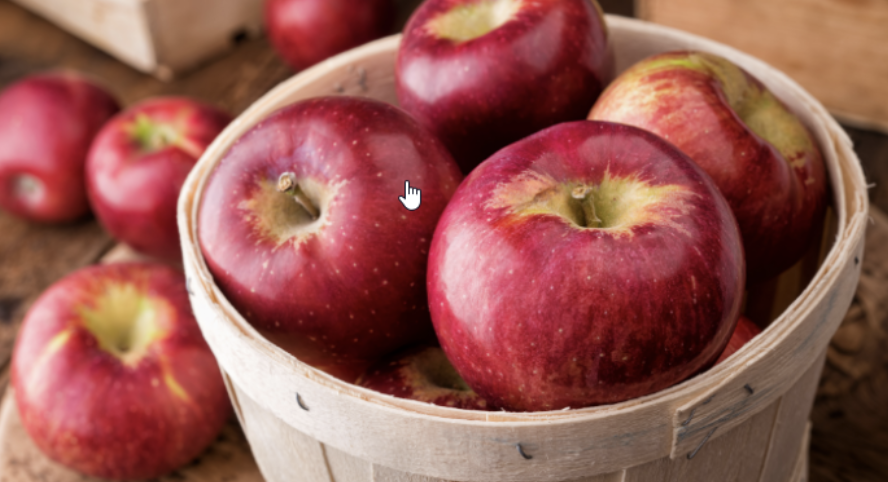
{"x": 138, "y": 163}
{"x": 422, "y": 373}
{"x": 745, "y": 331}
{"x": 302, "y": 228}
{"x": 47, "y": 123}
{"x": 112, "y": 377}
{"x": 481, "y": 74}
{"x": 761, "y": 156}
{"x": 305, "y": 32}
{"x": 587, "y": 264}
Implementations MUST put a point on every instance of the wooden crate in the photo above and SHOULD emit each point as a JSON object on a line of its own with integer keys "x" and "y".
{"x": 161, "y": 37}
{"x": 742, "y": 420}
{"x": 836, "y": 50}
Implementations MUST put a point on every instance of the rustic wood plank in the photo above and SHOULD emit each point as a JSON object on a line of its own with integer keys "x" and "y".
{"x": 612, "y": 477}
{"x": 817, "y": 42}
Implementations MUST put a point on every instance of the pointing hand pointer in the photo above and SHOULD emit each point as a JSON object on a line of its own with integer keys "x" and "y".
{"x": 411, "y": 197}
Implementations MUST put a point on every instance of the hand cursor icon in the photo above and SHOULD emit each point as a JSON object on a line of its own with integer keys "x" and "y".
{"x": 411, "y": 197}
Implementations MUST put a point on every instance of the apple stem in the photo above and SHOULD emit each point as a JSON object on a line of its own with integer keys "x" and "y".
{"x": 287, "y": 184}
{"x": 584, "y": 194}
{"x": 152, "y": 136}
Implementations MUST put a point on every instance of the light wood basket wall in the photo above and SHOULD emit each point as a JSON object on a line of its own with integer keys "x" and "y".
{"x": 743, "y": 420}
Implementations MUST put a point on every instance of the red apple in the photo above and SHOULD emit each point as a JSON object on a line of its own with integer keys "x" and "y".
{"x": 587, "y": 264}
{"x": 112, "y": 376}
{"x": 482, "y": 74}
{"x": 137, "y": 166}
{"x": 424, "y": 374}
{"x": 745, "y": 331}
{"x": 305, "y": 32}
{"x": 47, "y": 122}
{"x": 302, "y": 227}
{"x": 764, "y": 160}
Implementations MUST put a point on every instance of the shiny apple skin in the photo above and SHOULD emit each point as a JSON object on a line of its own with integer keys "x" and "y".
{"x": 779, "y": 206}
{"x": 305, "y": 32}
{"x": 87, "y": 410}
{"x": 744, "y": 332}
{"x": 47, "y": 124}
{"x": 543, "y": 67}
{"x": 406, "y": 375}
{"x": 537, "y": 313}
{"x": 134, "y": 190}
{"x": 353, "y": 287}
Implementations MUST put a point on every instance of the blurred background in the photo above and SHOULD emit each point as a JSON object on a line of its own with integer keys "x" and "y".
{"x": 837, "y": 50}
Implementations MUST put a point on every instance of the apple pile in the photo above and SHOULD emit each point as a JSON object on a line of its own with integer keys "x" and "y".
{"x": 597, "y": 250}
{"x": 112, "y": 376}
{"x": 65, "y": 150}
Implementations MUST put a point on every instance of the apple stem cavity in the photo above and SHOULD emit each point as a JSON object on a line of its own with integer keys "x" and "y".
{"x": 287, "y": 184}
{"x": 472, "y": 20}
{"x": 152, "y": 136}
{"x": 586, "y": 213}
{"x": 27, "y": 186}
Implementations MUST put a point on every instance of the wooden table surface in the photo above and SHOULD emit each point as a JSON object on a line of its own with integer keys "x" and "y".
{"x": 850, "y": 435}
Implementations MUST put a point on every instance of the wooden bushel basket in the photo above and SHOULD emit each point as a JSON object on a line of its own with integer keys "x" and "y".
{"x": 743, "y": 420}
{"x": 160, "y": 37}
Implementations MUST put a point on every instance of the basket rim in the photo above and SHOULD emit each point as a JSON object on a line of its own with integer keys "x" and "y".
{"x": 851, "y": 227}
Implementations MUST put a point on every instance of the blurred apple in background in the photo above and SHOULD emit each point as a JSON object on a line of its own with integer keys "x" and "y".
{"x": 112, "y": 377}
{"x": 138, "y": 163}
{"x": 47, "y": 123}
{"x": 482, "y": 74}
{"x": 305, "y": 32}
{"x": 301, "y": 226}
{"x": 424, "y": 374}
{"x": 745, "y": 331}
{"x": 764, "y": 160}
{"x": 587, "y": 264}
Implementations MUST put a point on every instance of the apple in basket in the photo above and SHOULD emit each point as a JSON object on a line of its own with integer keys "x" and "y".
{"x": 422, "y": 373}
{"x": 761, "y": 156}
{"x": 482, "y": 74}
{"x": 304, "y": 230}
{"x": 47, "y": 123}
{"x": 587, "y": 264}
{"x": 745, "y": 331}
{"x": 305, "y": 32}
{"x": 138, "y": 163}
{"x": 112, "y": 376}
